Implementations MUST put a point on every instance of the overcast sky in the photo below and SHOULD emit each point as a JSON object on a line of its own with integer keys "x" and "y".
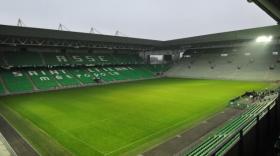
{"x": 154, "y": 19}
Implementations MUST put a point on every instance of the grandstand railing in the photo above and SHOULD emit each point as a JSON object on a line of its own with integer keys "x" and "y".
{"x": 242, "y": 130}
{"x": 237, "y": 137}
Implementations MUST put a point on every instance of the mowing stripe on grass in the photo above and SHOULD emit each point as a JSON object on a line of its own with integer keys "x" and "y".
{"x": 119, "y": 118}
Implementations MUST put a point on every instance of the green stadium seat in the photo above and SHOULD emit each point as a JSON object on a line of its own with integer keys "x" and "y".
{"x": 143, "y": 72}
{"x": 128, "y": 72}
{"x": 46, "y": 79}
{"x": 2, "y": 62}
{"x": 128, "y": 59}
{"x": 42, "y": 79}
{"x": 16, "y": 81}
{"x": 157, "y": 68}
{"x": 23, "y": 59}
{"x": 82, "y": 59}
{"x": 134, "y": 73}
{"x": 84, "y": 76}
{"x": 2, "y": 90}
{"x": 121, "y": 59}
{"x": 27, "y": 59}
{"x": 100, "y": 74}
{"x": 139, "y": 60}
{"x": 56, "y": 59}
{"x": 113, "y": 73}
{"x": 105, "y": 59}
{"x": 63, "y": 77}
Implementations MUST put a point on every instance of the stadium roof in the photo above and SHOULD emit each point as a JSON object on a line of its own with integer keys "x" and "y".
{"x": 247, "y": 34}
{"x": 271, "y": 7}
{"x": 16, "y": 31}
{"x": 240, "y": 35}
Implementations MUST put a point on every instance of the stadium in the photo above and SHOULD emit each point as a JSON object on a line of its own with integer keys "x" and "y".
{"x": 69, "y": 93}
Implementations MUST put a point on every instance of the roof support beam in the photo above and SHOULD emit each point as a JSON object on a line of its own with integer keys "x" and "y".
{"x": 270, "y": 8}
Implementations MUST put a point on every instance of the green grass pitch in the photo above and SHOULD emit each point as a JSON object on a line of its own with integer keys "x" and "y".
{"x": 116, "y": 119}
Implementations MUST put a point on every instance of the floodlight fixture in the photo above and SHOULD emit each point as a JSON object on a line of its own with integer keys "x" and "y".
{"x": 264, "y": 39}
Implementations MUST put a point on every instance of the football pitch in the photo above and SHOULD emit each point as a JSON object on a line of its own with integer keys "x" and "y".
{"x": 117, "y": 119}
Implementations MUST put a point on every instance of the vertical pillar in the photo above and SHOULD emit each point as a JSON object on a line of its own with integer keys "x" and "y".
{"x": 257, "y": 135}
{"x": 277, "y": 115}
{"x": 167, "y": 58}
{"x": 176, "y": 57}
{"x": 241, "y": 143}
{"x": 148, "y": 59}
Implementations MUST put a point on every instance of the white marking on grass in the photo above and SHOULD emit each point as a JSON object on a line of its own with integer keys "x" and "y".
{"x": 65, "y": 132}
{"x": 147, "y": 137}
{"x": 79, "y": 140}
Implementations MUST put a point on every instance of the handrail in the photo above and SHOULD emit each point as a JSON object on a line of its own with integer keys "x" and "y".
{"x": 239, "y": 131}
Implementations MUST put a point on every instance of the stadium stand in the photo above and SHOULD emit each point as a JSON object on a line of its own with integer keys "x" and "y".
{"x": 63, "y": 77}
{"x": 108, "y": 67}
{"x": 56, "y": 59}
{"x": 2, "y": 90}
{"x": 129, "y": 59}
{"x": 113, "y": 73}
{"x": 42, "y": 79}
{"x": 82, "y": 58}
{"x": 26, "y": 71}
{"x": 126, "y": 71}
{"x": 157, "y": 68}
{"x": 81, "y": 74}
{"x": 23, "y": 59}
{"x": 16, "y": 81}
{"x": 129, "y": 72}
{"x": 100, "y": 74}
{"x": 32, "y": 59}
{"x": 104, "y": 59}
{"x": 145, "y": 73}
{"x": 27, "y": 80}
{"x": 228, "y": 65}
{"x": 91, "y": 59}
{"x": 134, "y": 73}
{"x": 2, "y": 63}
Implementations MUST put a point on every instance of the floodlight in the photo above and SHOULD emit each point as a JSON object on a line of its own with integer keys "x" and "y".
{"x": 264, "y": 39}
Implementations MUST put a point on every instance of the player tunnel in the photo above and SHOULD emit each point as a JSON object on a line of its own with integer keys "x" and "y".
{"x": 160, "y": 59}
